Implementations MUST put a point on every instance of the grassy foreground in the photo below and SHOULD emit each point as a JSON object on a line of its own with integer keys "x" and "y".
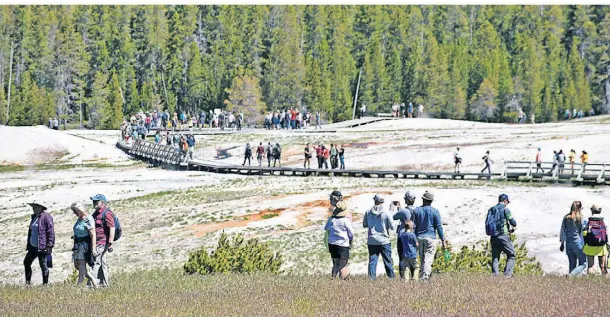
{"x": 169, "y": 293}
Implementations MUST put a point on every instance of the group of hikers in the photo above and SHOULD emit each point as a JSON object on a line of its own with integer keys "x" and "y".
{"x": 53, "y": 123}
{"x": 93, "y": 238}
{"x": 334, "y": 154}
{"x": 399, "y": 110}
{"x": 577, "y": 114}
{"x": 290, "y": 119}
{"x": 183, "y": 121}
{"x": 417, "y": 230}
{"x": 559, "y": 159}
{"x": 183, "y": 142}
{"x": 273, "y": 152}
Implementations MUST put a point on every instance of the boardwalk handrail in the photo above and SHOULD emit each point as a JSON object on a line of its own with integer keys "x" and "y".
{"x": 164, "y": 155}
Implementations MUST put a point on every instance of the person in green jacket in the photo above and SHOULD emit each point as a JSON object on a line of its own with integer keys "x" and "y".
{"x": 333, "y": 156}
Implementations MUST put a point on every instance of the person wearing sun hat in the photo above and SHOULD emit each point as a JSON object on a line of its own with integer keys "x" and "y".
{"x": 427, "y": 220}
{"x": 340, "y": 235}
{"x": 41, "y": 240}
{"x": 378, "y": 220}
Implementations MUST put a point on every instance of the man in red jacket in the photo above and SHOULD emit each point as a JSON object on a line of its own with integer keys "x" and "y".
{"x": 41, "y": 240}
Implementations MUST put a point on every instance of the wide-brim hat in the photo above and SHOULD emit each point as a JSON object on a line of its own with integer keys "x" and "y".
{"x": 37, "y": 204}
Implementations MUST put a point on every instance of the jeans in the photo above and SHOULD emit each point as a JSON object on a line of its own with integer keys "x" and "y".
{"x": 426, "y": 250}
{"x": 268, "y": 160}
{"x": 32, "y": 254}
{"x": 501, "y": 244}
{"x": 386, "y": 254}
{"x": 574, "y": 253}
{"x": 342, "y": 160}
{"x": 100, "y": 268}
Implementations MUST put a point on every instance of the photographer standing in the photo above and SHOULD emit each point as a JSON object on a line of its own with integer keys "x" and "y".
{"x": 498, "y": 227}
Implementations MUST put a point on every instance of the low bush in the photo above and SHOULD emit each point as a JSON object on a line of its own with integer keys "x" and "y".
{"x": 477, "y": 258}
{"x": 234, "y": 256}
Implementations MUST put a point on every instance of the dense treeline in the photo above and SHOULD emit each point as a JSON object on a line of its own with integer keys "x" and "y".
{"x": 461, "y": 62}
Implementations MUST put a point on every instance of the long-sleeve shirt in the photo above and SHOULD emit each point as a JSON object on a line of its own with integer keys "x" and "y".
{"x": 404, "y": 215}
{"x": 340, "y": 231}
{"x": 46, "y": 231}
{"x": 427, "y": 222}
{"x": 378, "y": 221}
{"x": 571, "y": 232}
{"x": 501, "y": 215}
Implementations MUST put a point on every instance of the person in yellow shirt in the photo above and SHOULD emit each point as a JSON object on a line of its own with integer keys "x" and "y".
{"x": 584, "y": 159}
{"x": 596, "y": 240}
{"x": 572, "y": 157}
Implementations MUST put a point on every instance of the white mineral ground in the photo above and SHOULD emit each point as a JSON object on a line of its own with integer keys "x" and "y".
{"x": 289, "y": 212}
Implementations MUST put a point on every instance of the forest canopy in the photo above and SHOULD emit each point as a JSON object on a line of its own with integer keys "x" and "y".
{"x": 461, "y": 62}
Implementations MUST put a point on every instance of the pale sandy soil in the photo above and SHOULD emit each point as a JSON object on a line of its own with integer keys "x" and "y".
{"x": 166, "y": 214}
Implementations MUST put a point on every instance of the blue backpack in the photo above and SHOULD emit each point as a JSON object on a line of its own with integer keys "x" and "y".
{"x": 118, "y": 231}
{"x": 493, "y": 225}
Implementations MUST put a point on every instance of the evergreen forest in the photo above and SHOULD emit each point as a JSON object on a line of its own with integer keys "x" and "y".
{"x": 483, "y": 63}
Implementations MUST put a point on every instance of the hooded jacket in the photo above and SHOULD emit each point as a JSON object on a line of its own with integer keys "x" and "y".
{"x": 379, "y": 222}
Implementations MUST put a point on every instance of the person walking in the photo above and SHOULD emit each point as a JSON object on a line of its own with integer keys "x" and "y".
{"x": 410, "y": 110}
{"x": 362, "y": 111}
{"x": 403, "y": 215}
{"x": 420, "y": 111}
{"x": 572, "y": 240}
{"x": 572, "y": 157}
{"x": 260, "y": 153}
{"x": 269, "y": 150}
{"x": 41, "y": 240}
{"x": 104, "y": 238}
{"x": 584, "y": 159}
{"x": 555, "y": 161}
{"x": 487, "y": 159}
{"x": 342, "y": 157}
{"x": 379, "y": 224}
{"x": 596, "y": 240}
{"x": 340, "y": 236}
{"x": 457, "y": 159}
{"x": 83, "y": 252}
{"x": 277, "y": 153}
{"x": 333, "y": 156}
{"x": 561, "y": 158}
{"x": 190, "y": 141}
{"x": 307, "y": 163}
{"x": 248, "y": 155}
{"x": 318, "y": 125}
{"x": 408, "y": 255}
{"x": 498, "y": 225}
{"x": 539, "y": 161}
{"x": 427, "y": 220}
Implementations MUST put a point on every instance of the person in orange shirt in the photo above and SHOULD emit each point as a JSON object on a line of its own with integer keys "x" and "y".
{"x": 326, "y": 156}
{"x": 539, "y": 161}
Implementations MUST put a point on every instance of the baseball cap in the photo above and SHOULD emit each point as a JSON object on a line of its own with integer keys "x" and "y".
{"x": 99, "y": 197}
{"x": 410, "y": 195}
{"x": 378, "y": 198}
{"x": 336, "y": 193}
{"x": 503, "y": 197}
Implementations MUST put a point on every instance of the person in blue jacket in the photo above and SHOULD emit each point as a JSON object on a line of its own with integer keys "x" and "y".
{"x": 427, "y": 220}
{"x": 572, "y": 240}
{"x": 498, "y": 226}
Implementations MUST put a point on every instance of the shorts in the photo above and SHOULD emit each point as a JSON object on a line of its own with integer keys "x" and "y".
{"x": 79, "y": 254}
{"x": 338, "y": 252}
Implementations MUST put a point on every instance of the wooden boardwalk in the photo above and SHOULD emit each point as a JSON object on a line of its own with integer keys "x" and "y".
{"x": 170, "y": 157}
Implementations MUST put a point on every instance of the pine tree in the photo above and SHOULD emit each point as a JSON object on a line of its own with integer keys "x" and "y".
{"x": 245, "y": 97}
{"x": 112, "y": 110}
{"x": 98, "y": 103}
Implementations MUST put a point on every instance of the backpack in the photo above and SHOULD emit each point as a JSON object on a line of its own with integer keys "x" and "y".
{"x": 493, "y": 227}
{"x": 118, "y": 231}
{"x": 596, "y": 233}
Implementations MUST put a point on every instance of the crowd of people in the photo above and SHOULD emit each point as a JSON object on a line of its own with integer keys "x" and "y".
{"x": 559, "y": 160}
{"x": 93, "y": 238}
{"x": 399, "y": 110}
{"x": 417, "y": 229}
{"x": 273, "y": 153}
{"x": 291, "y": 119}
{"x": 577, "y": 114}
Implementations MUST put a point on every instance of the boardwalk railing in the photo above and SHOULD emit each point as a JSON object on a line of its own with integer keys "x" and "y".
{"x": 168, "y": 156}
{"x": 556, "y": 171}
{"x": 155, "y": 153}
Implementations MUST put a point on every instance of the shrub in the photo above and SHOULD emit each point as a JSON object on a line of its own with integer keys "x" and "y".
{"x": 236, "y": 256}
{"x": 477, "y": 258}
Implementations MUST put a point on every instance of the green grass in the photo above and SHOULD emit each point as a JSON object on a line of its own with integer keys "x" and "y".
{"x": 170, "y": 293}
{"x": 11, "y": 168}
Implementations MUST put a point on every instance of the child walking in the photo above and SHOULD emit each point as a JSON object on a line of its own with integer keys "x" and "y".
{"x": 409, "y": 245}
